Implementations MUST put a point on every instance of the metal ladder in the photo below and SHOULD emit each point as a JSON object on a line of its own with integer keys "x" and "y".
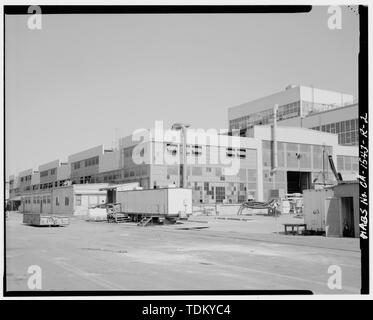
{"x": 144, "y": 221}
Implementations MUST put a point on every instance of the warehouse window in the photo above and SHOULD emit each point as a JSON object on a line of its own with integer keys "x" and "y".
{"x": 78, "y": 200}
{"x": 355, "y": 163}
{"x": 229, "y": 152}
{"x": 67, "y": 201}
{"x": 197, "y": 171}
{"x": 144, "y": 171}
{"x": 220, "y": 194}
{"x": 48, "y": 199}
{"x": 241, "y": 153}
{"x": 57, "y": 201}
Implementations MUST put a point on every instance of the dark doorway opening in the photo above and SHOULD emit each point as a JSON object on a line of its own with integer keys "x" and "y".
{"x": 348, "y": 216}
{"x": 298, "y": 181}
{"x": 111, "y": 196}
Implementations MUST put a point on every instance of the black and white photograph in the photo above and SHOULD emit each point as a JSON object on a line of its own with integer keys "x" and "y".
{"x": 172, "y": 150}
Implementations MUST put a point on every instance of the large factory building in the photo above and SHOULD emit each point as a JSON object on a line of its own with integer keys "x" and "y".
{"x": 233, "y": 169}
{"x": 301, "y": 106}
{"x": 219, "y": 168}
{"x": 255, "y": 160}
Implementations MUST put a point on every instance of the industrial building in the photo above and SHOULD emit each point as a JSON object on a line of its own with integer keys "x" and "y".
{"x": 220, "y": 169}
{"x": 258, "y": 159}
{"x": 301, "y": 106}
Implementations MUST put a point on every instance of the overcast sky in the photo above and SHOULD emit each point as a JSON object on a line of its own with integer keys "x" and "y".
{"x": 69, "y": 85}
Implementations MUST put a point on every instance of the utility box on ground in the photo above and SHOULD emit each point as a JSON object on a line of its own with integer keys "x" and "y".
{"x": 37, "y": 219}
{"x": 315, "y": 208}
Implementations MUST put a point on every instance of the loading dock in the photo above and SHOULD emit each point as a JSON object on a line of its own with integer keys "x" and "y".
{"x": 297, "y": 181}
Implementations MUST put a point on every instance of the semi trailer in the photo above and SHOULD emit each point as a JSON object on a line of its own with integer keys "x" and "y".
{"x": 155, "y": 205}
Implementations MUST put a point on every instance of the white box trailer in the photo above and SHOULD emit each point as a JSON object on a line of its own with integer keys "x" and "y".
{"x": 164, "y": 202}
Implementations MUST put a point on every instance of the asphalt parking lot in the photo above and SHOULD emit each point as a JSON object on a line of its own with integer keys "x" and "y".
{"x": 204, "y": 253}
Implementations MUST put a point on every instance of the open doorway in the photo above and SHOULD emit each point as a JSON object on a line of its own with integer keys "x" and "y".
{"x": 111, "y": 196}
{"x": 348, "y": 216}
{"x": 298, "y": 181}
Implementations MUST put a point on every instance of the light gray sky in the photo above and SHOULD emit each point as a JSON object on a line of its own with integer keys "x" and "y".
{"x": 69, "y": 85}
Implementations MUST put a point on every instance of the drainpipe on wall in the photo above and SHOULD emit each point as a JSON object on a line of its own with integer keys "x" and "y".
{"x": 274, "y": 139}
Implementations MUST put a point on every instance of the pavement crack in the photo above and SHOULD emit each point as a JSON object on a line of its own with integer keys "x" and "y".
{"x": 105, "y": 250}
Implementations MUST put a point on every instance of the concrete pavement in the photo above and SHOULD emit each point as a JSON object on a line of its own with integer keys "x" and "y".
{"x": 208, "y": 254}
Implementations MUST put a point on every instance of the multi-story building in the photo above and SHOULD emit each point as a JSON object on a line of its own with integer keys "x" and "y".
{"x": 300, "y": 106}
{"x": 302, "y": 162}
{"x": 219, "y": 168}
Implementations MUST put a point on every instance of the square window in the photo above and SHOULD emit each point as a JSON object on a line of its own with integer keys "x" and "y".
{"x": 348, "y": 137}
{"x": 352, "y": 124}
{"x": 347, "y": 125}
{"x": 78, "y": 200}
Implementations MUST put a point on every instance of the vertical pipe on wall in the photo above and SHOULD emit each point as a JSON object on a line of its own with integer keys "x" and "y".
{"x": 184, "y": 131}
{"x": 274, "y": 140}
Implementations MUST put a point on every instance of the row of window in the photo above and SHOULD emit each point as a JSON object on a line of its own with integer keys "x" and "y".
{"x": 296, "y": 155}
{"x": 26, "y": 178}
{"x": 339, "y": 127}
{"x": 45, "y": 200}
{"x": 44, "y": 173}
{"x": 37, "y": 199}
{"x": 195, "y": 150}
{"x": 347, "y": 163}
{"x": 87, "y": 163}
{"x": 48, "y": 185}
{"x": 67, "y": 201}
{"x": 264, "y": 117}
{"x": 239, "y": 153}
{"x": 313, "y": 107}
{"x": 91, "y": 162}
{"x": 114, "y": 176}
{"x": 347, "y": 131}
